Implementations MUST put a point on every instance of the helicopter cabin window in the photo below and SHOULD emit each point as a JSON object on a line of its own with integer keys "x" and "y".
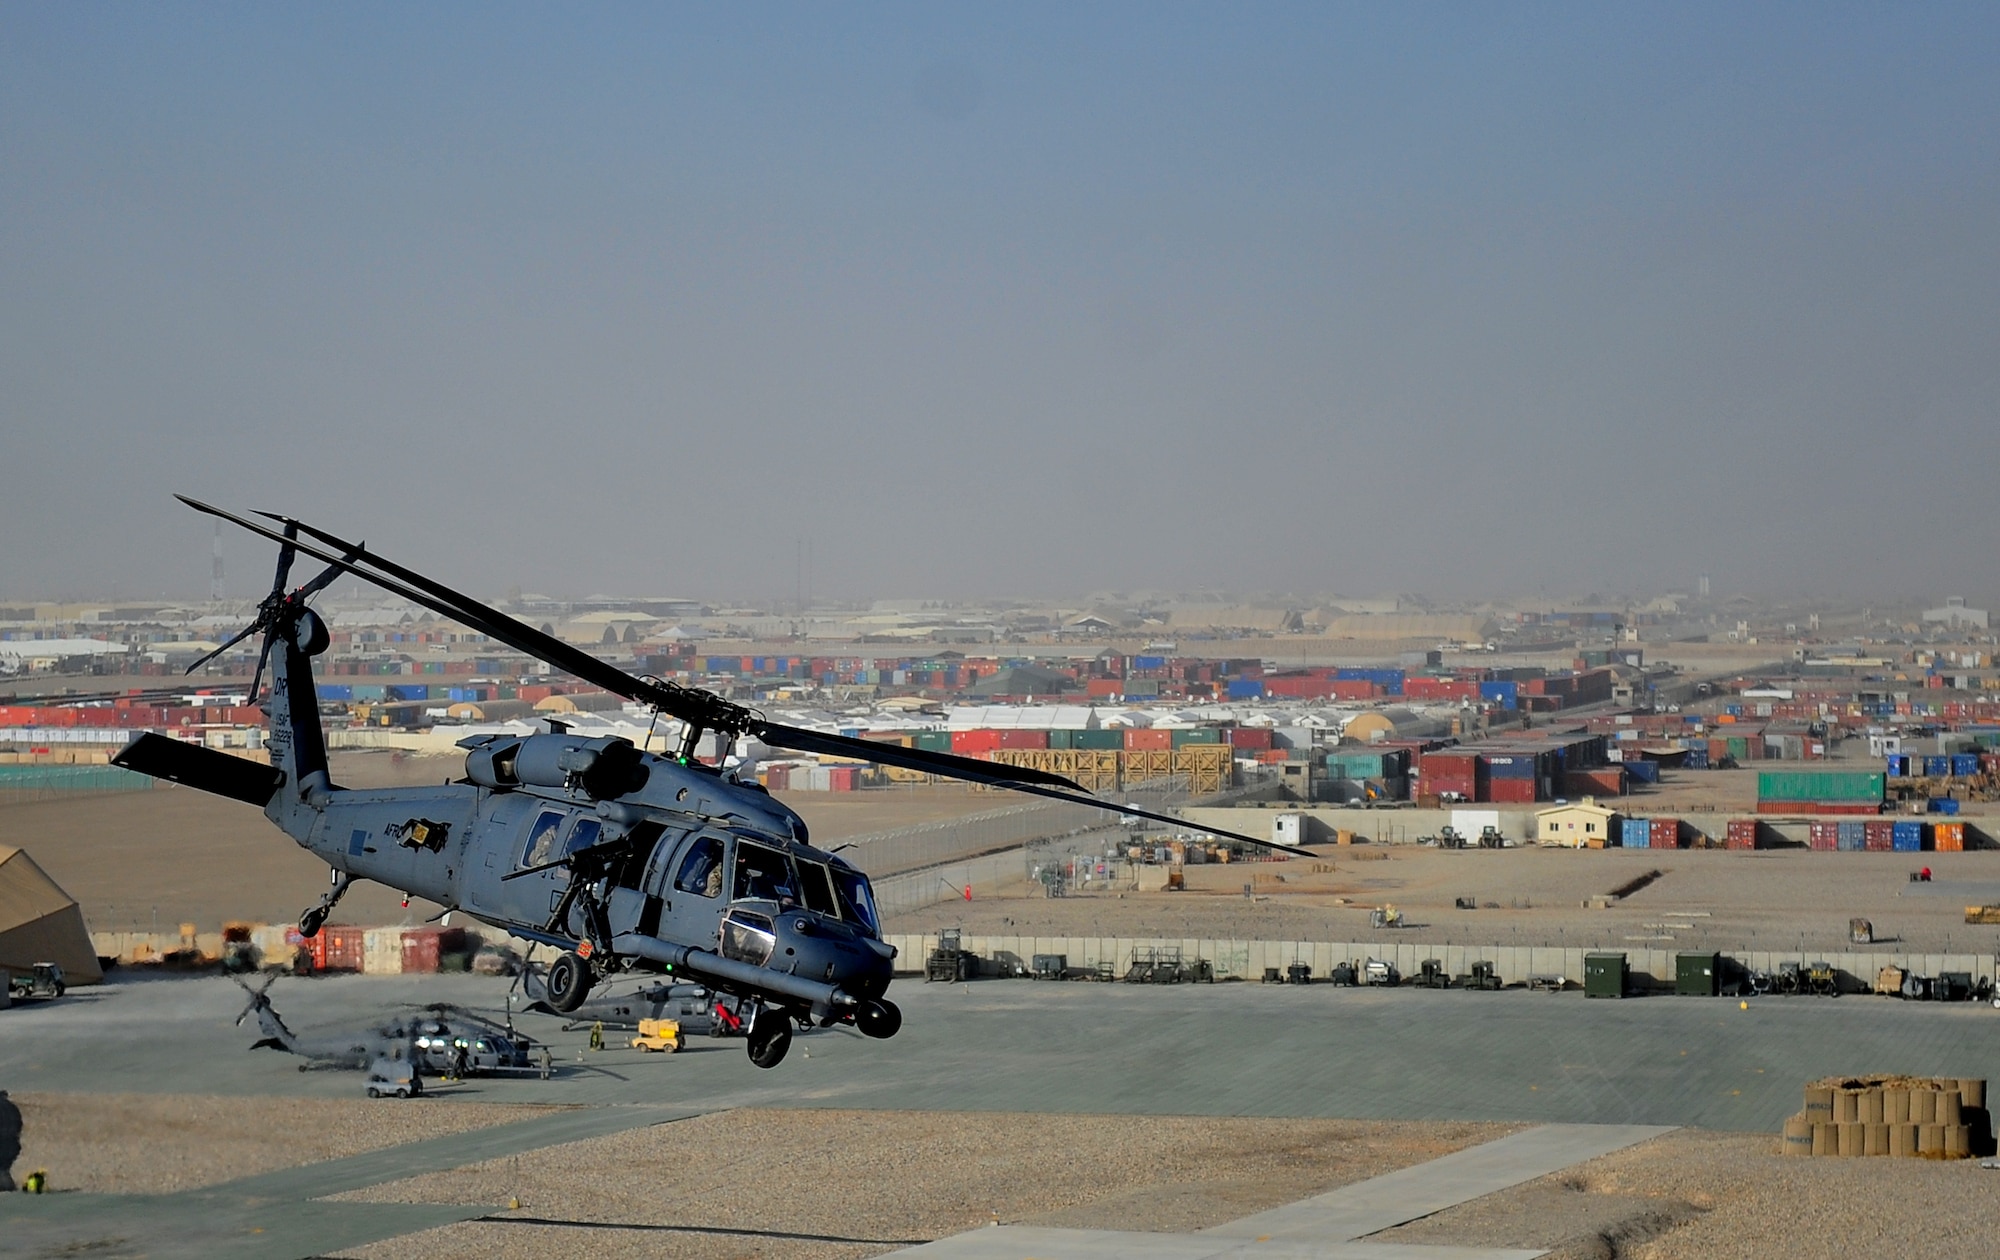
{"x": 764, "y": 874}
{"x": 583, "y": 835}
{"x": 541, "y": 840}
{"x": 816, "y": 888}
{"x": 701, "y": 869}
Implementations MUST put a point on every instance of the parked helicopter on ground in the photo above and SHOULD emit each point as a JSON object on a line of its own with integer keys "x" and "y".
{"x": 439, "y": 1039}
{"x": 624, "y": 860}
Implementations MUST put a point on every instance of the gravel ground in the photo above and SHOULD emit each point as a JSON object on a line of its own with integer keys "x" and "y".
{"x": 1776, "y": 900}
{"x": 1695, "y": 1195}
{"x": 164, "y": 1143}
{"x": 800, "y": 1184}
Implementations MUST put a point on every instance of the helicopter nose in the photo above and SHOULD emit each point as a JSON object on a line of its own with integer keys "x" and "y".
{"x": 818, "y": 950}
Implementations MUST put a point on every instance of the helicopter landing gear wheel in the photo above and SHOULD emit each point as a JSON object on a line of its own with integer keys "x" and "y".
{"x": 770, "y": 1038}
{"x": 568, "y": 982}
{"x": 311, "y": 921}
{"x": 878, "y": 1019}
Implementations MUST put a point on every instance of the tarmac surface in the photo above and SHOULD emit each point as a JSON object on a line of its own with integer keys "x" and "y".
{"x": 1001, "y": 1046}
{"x": 1016, "y": 1045}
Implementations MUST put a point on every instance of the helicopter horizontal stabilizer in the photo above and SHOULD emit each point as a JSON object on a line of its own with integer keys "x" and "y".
{"x": 193, "y": 766}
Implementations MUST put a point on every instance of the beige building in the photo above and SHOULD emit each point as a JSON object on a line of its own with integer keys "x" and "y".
{"x": 1582, "y": 825}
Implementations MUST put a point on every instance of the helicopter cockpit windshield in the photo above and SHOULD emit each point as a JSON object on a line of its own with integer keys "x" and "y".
{"x": 856, "y": 898}
{"x": 763, "y": 875}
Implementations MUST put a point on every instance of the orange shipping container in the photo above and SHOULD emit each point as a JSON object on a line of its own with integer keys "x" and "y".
{"x": 1139, "y": 739}
{"x": 1948, "y": 837}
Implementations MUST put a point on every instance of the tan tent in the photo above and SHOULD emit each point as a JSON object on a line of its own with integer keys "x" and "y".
{"x": 39, "y": 922}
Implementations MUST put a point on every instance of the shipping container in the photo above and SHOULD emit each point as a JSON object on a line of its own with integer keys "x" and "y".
{"x": 1853, "y": 836}
{"x": 1512, "y": 791}
{"x": 1943, "y": 805}
{"x": 974, "y": 743}
{"x": 1937, "y": 767}
{"x": 1665, "y": 833}
{"x": 1511, "y": 765}
{"x": 1823, "y": 837}
{"x": 1146, "y": 739}
{"x": 1879, "y": 836}
{"x": 1911, "y": 835}
{"x": 1193, "y": 735}
{"x": 1742, "y": 834}
{"x": 1820, "y": 785}
{"x": 1250, "y": 737}
{"x": 338, "y": 948}
{"x": 1965, "y": 763}
{"x": 1021, "y": 739}
{"x": 931, "y": 741}
{"x": 1642, "y": 769}
{"x": 1899, "y": 766}
{"x": 1100, "y": 741}
{"x": 1635, "y": 833}
{"x": 1948, "y": 837}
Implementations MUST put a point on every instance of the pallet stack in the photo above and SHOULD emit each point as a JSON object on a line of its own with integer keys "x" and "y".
{"x": 1919, "y": 1117}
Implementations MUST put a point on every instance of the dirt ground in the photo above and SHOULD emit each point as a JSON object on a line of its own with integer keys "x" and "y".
{"x": 165, "y": 1143}
{"x": 798, "y": 1184}
{"x": 150, "y": 860}
{"x": 1782, "y": 899}
{"x": 1696, "y": 1195}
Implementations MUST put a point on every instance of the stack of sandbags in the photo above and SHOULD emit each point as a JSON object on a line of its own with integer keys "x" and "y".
{"x": 1917, "y": 1116}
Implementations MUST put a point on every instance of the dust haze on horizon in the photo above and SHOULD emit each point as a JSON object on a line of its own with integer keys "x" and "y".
{"x": 1466, "y": 300}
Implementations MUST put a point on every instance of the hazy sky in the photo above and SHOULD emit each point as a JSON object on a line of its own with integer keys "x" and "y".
{"x": 1006, "y": 298}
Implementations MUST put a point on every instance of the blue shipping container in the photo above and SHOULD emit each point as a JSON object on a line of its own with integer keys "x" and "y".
{"x": 1853, "y": 837}
{"x": 1696, "y": 759}
{"x": 1245, "y": 688}
{"x": 334, "y": 691}
{"x": 1935, "y": 766}
{"x": 1635, "y": 833}
{"x": 1899, "y": 767}
{"x": 1908, "y": 837}
{"x": 1510, "y": 766}
{"x": 1505, "y": 694}
{"x": 1965, "y": 763}
{"x": 1642, "y": 769}
{"x": 1943, "y": 805}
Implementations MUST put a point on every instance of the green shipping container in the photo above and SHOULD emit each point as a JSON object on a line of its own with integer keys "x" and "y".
{"x": 1197, "y": 735}
{"x": 933, "y": 741}
{"x": 1820, "y": 785}
{"x": 1739, "y": 748}
{"x": 1062, "y": 739}
{"x": 1604, "y": 975}
{"x": 1355, "y": 765}
{"x": 1697, "y": 975}
{"x": 1098, "y": 740}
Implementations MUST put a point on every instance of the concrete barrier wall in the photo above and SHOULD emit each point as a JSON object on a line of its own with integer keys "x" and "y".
{"x": 1514, "y": 964}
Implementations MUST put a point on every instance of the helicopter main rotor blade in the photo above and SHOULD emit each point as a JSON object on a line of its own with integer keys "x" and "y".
{"x": 690, "y": 704}
{"x": 1133, "y": 810}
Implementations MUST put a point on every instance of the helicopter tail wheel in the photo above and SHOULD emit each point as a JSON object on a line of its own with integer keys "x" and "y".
{"x": 770, "y": 1038}
{"x": 311, "y": 921}
{"x": 568, "y": 983}
{"x": 878, "y": 1019}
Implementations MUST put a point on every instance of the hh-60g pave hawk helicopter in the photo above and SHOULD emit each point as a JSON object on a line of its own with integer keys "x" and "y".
{"x": 623, "y": 860}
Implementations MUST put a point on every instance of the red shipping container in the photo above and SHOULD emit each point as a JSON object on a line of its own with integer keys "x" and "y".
{"x": 974, "y": 743}
{"x": 1147, "y": 739}
{"x": 1664, "y": 833}
{"x": 1823, "y": 837}
{"x": 1742, "y": 834}
{"x": 423, "y": 947}
{"x": 776, "y": 778}
{"x": 1880, "y": 836}
{"x": 1273, "y": 756}
{"x": 1105, "y": 687}
{"x": 1023, "y": 739}
{"x": 337, "y": 949}
{"x": 1253, "y": 737}
{"x": 1511, "y": 791}
{"x": 842, "y": 778}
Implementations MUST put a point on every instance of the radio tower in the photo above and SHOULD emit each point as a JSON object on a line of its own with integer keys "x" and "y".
{"x": 215, "y": 569}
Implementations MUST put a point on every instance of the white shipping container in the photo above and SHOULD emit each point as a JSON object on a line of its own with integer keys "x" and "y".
{"x": 382, "y": 952}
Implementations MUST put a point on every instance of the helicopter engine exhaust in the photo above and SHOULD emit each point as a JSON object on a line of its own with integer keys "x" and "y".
{"x": 604, "y": 768}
